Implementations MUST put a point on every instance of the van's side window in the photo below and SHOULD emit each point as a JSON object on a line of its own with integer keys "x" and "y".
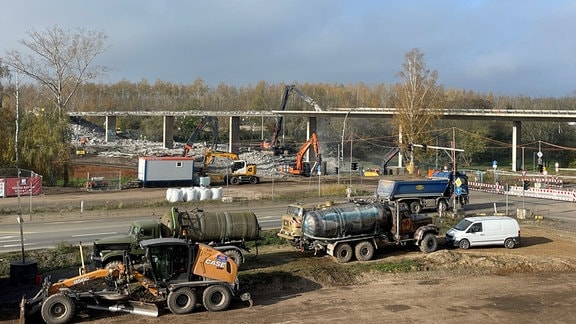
{"x": 476, "y": 228}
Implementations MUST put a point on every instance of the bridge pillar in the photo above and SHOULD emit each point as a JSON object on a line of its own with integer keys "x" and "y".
{"x": 516, "y": 140}
{"x": 234, "y": 135}
{"x": 110, "y": 126}
{"x": 168, "y": 133}
{"x": 311, "y": 127}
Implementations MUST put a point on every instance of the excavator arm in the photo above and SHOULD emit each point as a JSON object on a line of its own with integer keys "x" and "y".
{"x": 205, "y": 121}
{"x": 312, "y": 142}
{"x": 278, "y": 125}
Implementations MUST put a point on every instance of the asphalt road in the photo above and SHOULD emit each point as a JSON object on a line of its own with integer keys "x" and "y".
{"x": 46, "y": 231}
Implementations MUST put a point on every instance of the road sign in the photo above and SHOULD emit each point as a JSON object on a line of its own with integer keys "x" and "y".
{"x": 458, "y": 182}
{"x": 458, "y": 191}
{"x": 539, "y": 154}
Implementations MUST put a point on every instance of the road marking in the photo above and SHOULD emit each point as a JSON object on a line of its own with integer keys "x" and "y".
{"x": 92, "y": 234}
{"x": 15, "y": 245}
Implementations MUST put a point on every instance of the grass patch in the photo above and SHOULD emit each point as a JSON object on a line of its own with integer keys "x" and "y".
{"x": 403, "y": 266}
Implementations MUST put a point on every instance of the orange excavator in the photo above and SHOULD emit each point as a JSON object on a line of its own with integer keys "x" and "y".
{"x": 304, "y": 168}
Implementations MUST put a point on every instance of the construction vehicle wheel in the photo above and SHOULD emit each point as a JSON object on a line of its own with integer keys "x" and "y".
{"x": 415, "y": 207}
{"x": 58, "y": 309}
{"x": 442, "y": 205}
{"x": 216, "y": 298}
{"x": 112, "y": 264}
{"x": 364, "y": 251}
{"x": 235, "y": 181}
{"x": 343, "y": 253}
{"x": 253, "y": 180}
{"x": 181, "y": 301}
{"x": 234, "y": 255}
{"x": 429, "y": 243}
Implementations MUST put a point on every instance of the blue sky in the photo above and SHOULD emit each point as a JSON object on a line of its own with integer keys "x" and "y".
{"x": 509, "y": 47}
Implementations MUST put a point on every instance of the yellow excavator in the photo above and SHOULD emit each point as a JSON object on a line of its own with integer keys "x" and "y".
{"x": 241, "y": 171}
{"x": 174, "y": 273}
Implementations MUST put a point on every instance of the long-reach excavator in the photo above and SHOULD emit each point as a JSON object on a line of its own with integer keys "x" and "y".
{"x": 304, "y": 168}
{"x": 174, "y": 274}
{"x": 204, "y": 122}
{"x": 273, "y": 144}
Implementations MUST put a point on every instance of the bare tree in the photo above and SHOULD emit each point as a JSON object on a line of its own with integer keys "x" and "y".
{"x": 60, "y": 60}
{"x": 420, "y": 100}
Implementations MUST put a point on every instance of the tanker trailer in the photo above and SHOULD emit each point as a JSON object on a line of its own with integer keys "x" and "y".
{"x": 358, "y": 230}
{"x": 226, "y": 231}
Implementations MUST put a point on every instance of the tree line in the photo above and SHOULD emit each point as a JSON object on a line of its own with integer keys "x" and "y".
{"x": 55, "y": 84}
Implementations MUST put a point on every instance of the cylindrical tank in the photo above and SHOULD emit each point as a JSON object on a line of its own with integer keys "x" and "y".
{"x": 346, "y": 220}
{"x": 218, "y": 226}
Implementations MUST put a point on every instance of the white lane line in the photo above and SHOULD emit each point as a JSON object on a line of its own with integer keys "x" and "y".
{"x": 93, "y": 234}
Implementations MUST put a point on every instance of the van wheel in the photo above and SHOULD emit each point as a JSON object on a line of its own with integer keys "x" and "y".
{"x": 429, "y": 243}
{"x": 343, "y": 253}
{"x": 364, "y": 251}
{"x": 509, "y": 243}
{"x": 415, "y": 207}
{"x": 464, "y": 244}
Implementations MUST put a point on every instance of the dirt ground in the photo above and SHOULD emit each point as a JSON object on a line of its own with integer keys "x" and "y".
{"x": 533, "y": 283}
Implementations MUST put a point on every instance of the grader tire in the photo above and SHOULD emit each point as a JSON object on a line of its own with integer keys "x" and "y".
{"x": 58, "y": 309}
{"x": 181, "y": 301}
{"x": 216, "y": 298}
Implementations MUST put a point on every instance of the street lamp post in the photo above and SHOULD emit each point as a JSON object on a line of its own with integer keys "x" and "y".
{"x": 342, "y": 144}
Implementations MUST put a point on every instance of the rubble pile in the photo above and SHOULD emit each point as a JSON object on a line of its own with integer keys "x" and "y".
{"x": 133, "y": 148}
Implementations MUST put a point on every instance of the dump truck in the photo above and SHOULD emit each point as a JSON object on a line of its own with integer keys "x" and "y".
{"x": 358, "y": 229}
{"x": 224, "y": 230}
{"x": 435, "y": 193}
{"x": 174, "y": 273}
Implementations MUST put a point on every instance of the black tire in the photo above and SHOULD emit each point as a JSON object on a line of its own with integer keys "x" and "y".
{"x": 216, "y": 298}
{"x": 415, "y": 207}
{"x": 58, "y": 309}
{"x": 442, "y": 205}
{"x": 364, "y": 251}
{"x": 509, "y": 243}
{"x": 464, "y": 244}
{"x": 235, "y": 255}
{"x": 112, "y": 264}
{"x": 253, "y": 180}
{"x": 181, "y": 301}
{"x": 235, "y": 181}
{"x": 429, "y": 243}
{"x": 343, "y": 253}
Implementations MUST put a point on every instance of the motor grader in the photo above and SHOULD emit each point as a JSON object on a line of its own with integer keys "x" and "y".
{"x": 174, "y": 274}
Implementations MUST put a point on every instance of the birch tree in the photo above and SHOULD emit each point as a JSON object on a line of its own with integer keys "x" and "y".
{"x": 420, "y": 101}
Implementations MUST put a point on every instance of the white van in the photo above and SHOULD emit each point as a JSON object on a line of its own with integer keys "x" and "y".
{"x": 486, "y": 230}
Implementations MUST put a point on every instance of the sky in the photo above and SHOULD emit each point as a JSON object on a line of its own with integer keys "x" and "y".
{"x": 505, "y": 47}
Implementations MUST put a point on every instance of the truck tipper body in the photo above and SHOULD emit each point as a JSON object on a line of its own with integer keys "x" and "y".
{"x": 226, "y": 231}
{"x": 419, "y": 194}
{"x": 359, "y": 229}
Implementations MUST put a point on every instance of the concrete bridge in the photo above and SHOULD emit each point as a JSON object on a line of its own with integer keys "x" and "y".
{"x": 515, "y": 116}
